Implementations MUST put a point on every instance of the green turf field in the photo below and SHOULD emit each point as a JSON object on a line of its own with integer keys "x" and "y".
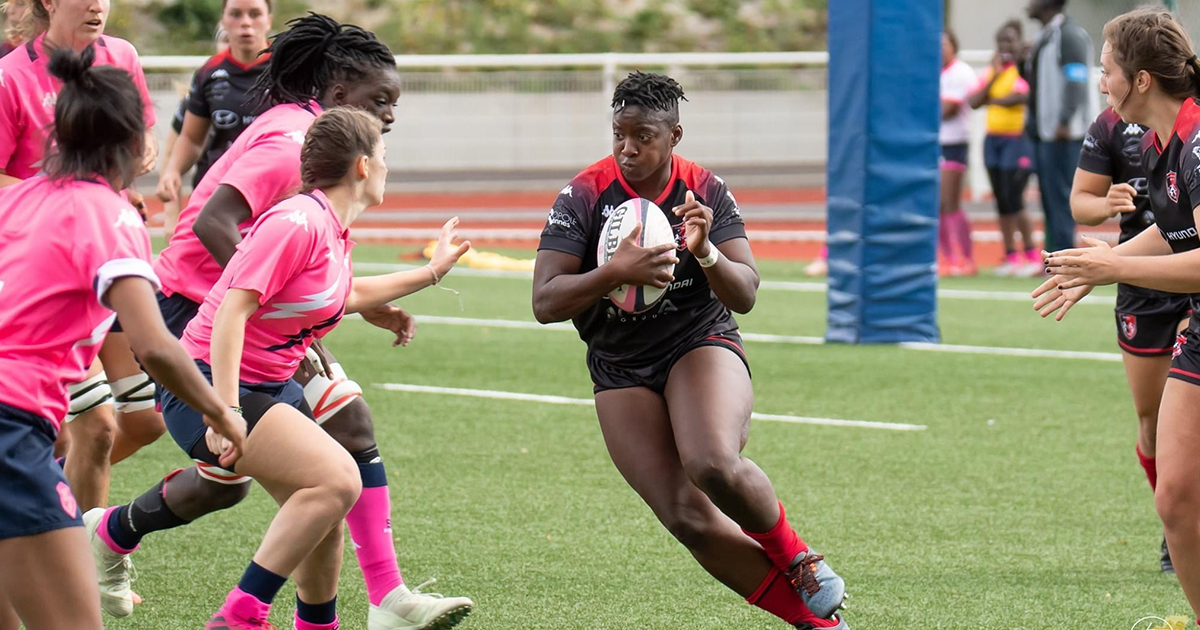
{"x": 1021, "y": 506}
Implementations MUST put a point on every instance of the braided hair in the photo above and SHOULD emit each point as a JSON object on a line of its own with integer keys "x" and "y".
{"x": 649, "y": 91}
{"x": 313, "y": 53}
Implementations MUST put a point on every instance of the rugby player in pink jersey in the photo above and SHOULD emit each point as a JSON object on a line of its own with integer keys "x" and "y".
{"x": 289, "y": 284}
{"x": 27, "y": 96}
{"x": 74, "y": 251}
{"x": 317, "y": 63}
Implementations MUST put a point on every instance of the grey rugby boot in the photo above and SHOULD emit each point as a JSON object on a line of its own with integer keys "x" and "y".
{"x": 821, "y": 589}
{"x": 841, "y": 625}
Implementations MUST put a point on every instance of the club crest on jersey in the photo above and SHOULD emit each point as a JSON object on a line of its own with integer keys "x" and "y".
{"x": 1129, "y": 326}
{"x": 67, "y": 500}
{"x": 1180, "y": 342}
{"x": 681, "y": 236}
{"x": 1172, "y": 187}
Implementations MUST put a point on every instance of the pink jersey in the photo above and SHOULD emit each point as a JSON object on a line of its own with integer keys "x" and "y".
{"x": 297, "y": 257}
{"x": 28, "y": 94}
{"x": 65, "y": 242}
{"x": 264, "y": 165}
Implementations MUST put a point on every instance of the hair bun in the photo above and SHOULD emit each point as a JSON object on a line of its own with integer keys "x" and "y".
{"x": 69, "y": 66}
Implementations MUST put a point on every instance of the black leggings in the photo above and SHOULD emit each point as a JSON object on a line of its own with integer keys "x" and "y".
{"x": 1008, "y": 186}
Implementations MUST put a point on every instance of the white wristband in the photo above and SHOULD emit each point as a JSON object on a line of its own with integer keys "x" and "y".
{"x": 714, "y": 255}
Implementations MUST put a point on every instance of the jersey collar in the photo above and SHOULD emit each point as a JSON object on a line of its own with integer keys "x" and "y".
{"x": 666, "y": 193}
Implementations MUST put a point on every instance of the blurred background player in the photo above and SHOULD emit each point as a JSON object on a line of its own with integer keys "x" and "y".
{"x": 14, "y": 14}
{"x": 1057, "y": 68}
{"x": 1110, "y": 182}
{"x": 218, "y": 105}
{"x": 673, "y": 391}
{"x": 1006, "y": 150}
{"x": 316, "y": 64}
{"x": 74, "y": 250}
{"x": 1152, "y": 79}
{"x": 954, "y": 229}
{"x": 171, "y": 208}
{"x": 99, "y": 438}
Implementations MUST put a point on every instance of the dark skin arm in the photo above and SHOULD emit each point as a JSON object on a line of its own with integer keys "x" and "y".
{"x": 217, "y": 225}
{"x": 734, "y": 279}
{"x": 560, "y": 292}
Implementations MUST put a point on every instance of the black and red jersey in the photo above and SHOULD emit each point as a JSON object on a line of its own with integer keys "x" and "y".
{"x": 689, "y": 308}
{"x": 1173, "y": 171}
{"x": 1113, "y": 147}
{"x": 219, "y": 92}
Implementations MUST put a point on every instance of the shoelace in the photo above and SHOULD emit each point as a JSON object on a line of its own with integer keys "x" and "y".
{"x": 126, "y": 563}
{"x": 804, "y": 574}
{"x": 418, "y": 591}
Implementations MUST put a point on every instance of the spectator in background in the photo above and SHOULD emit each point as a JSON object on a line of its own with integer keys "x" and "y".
{"x": 958, "y": 80}
{"x": 14, "y": 12}
{"x": 1006, "y": 150}
{"x": 1057, "y": 70}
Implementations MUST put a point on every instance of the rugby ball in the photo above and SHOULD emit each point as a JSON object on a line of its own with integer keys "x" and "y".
{"x": 656, "y": 230}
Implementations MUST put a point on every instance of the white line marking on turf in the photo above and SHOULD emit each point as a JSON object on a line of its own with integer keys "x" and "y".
{"x": 563, "y": 400}
{"x": 778, "y": 285}
{"x": 790, "y": 339}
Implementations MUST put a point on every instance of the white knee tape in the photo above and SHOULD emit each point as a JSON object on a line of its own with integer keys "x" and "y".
{"x": 220, "y": 475}
{"x": 133, "y": 393}
{"x": 88, "y": 395}
{"x": 327, "y": 396}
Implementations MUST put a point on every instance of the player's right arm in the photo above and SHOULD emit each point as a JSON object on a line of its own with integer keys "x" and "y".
{"x": 217, "y": 224}
{"x": 159, "y": 351}
{"x": 184, "y": 155}
{"x": 560, "y": 292}
{"x": 1094, "y": 197}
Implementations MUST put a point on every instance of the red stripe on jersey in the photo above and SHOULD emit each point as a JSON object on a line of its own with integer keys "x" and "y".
{"x": 1186, "y": 122}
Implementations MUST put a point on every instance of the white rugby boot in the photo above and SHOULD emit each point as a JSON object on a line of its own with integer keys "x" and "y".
{"x": 404, "y": 609}
{"x": 113, "y": 569}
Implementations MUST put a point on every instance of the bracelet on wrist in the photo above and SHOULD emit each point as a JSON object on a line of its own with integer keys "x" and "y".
{"x": 433, "y": 273}
{"x": 711, "y": 259}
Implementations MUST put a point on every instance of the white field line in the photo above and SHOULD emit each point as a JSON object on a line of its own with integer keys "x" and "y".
{"x": 776, "y": 285}
{"x": 789, "y": 339}
{"x": 563, "y": 400}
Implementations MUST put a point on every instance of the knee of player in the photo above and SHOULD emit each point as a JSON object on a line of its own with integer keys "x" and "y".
{"x": 229, "y": 496}
{"x": 352, "y": 426}
{"x": 1177, "y": 500}
{"x": 343, "y": 483}
{"x": 143, "y": 427}
{"x": 99, "y": 429}
{"x": 689, "y": 527}
{"x": 713, "y": 473}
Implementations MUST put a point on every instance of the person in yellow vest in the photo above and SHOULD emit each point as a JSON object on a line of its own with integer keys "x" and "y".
{"x": 1006, "y": 150}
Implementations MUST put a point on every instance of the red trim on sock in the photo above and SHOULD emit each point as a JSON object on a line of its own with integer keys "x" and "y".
{"x": 776, "y": 596}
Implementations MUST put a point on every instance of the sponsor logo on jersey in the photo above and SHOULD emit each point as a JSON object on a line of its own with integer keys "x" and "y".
{"x": 128, "y": 217}
{"x": 607, "y": 211}
{"x": 1180, "y": 342}
{"x": 1173, "y": 188}
{"x": 1089, "y": 142}
{"x": 1129, "y": 326}
{"x": 680, "y": 284}
{"x": 220, "y": 73}
{"x": 225, "y": 119}
{"x": 1179, "y": 235}
{"x": 560, "y": 218}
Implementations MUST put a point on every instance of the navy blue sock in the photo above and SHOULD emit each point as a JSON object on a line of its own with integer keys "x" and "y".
{"x": 320, "y": 614}
{"x": 261, "y": 583}
{"x": 370, "y": 467}
{"x": 118, "y": 528}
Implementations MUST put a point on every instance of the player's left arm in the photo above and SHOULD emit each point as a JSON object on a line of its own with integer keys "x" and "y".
{"x": 217, "y": 224}
{"x": 375, "y": 291}
{"x": 730, "y": 269}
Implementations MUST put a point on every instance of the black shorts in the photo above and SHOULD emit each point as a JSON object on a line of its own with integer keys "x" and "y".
{"x": 1147, "y": 325}
{"x": 654, "y": 376}
{"x": 187, "y": 425}
{"x": 1007, "y": 152}
{"x": 33, "y": 490}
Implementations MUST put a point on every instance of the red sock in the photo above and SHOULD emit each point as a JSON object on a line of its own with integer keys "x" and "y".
{"x": 781, "y": 543}
{"x": 1150, "y": 468}
{"x": 776, "y": 596}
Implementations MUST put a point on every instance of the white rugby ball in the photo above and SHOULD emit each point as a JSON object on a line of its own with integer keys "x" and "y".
{"x": 656, "y": 230}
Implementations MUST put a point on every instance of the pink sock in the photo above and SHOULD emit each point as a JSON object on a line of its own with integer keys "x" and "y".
{"x": 1033, "y": 256}
{"x": 370, "y": 522}
{"x": 243, "y": 606}
{"x": 304, "y": 625}
{"x": 945, "y": 242}
{"x": 961, "y": 227}
{"x": 102, "y": 532}
{"x": 824, "y": 252}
